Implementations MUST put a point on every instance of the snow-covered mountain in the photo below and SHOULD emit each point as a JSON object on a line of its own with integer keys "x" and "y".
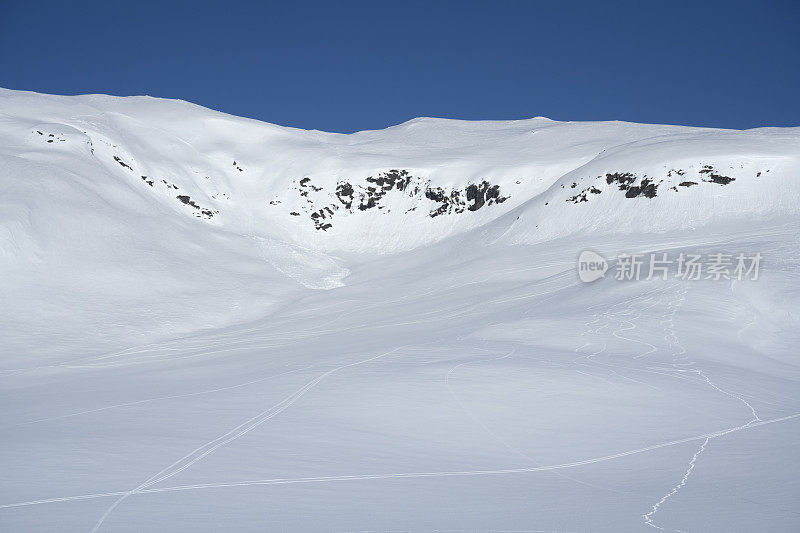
{"x": 384, "y": 330}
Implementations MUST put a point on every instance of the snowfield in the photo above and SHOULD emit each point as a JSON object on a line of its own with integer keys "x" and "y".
{"x": 212, "y": 323}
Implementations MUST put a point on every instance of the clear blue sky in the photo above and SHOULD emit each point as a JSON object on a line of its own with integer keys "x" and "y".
{"x": 346, "y": 65}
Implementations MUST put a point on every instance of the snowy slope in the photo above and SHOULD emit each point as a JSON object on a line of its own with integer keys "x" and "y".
{"x": 325, "y": 191}
{"x": 212, "y": 323}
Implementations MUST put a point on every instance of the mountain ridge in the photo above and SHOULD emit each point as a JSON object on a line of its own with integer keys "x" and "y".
{"x": 206, "y": 166}
{"x": 235, "y": 215}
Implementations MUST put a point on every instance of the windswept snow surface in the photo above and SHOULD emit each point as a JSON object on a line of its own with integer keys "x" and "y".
{"x": 212, "y": 323}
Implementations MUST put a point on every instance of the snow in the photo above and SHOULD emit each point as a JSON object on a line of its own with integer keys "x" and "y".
{"x": 230, "y": 366}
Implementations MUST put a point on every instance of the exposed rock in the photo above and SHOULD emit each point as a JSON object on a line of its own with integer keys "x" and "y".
{"x": 120, "y": 161}
{"x": 447, "y": 202}
{"x": 622, "y": 179}
{"x": 646, "y": 188}
{"x": 201, "y": 211}
{"x": 381, "y": 185}
{"x": 717, "y": 178}
{"x": 625, "y": 180}
{"x": 483, "y": 194}
{"x": 352, "y": 197}
{"x": 344, "y": 192}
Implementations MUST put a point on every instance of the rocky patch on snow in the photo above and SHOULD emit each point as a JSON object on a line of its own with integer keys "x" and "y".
{"x": 392, "y": 189}
{"x": 167, "y": 186}
{"x": 583, "y": 195}
{"x": 483, "y": 194}
{"x": 122, "y": 163}
{"x": 645, "y": 187}
{"x": 51, "y": 137}
{"x": 201, "y": 212}
{"x": 711, "y": 176}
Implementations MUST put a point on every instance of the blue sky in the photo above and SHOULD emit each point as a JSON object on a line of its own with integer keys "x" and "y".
{"x": 346, "y": 66}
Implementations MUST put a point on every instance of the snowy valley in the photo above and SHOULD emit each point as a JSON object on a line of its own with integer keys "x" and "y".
{"x": 215, "y": 323}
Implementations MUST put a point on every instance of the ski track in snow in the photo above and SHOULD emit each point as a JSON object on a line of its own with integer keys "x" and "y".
{"x": 202, "y": 451}
{"x": 679, "y": 365}
{"x": 679, "y": 354}
{"x": 648, "y": 518}
{"x": 157, "y": 399}
{"x": 626, "y": 313}
{"x": 679, "y": 362}
{"x": 626, "y": 325}
{"x": 405, "y": 475}
{"x": 493, "y": 434}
